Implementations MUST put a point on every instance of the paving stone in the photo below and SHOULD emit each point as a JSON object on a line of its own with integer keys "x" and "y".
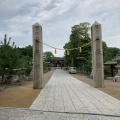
{"x": 70, "y": 95}
{"x": 27, "y": 114}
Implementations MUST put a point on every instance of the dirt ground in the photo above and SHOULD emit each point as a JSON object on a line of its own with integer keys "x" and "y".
{"x": 22, "y": 96}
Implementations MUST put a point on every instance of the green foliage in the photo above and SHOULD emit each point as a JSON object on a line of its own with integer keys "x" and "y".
{"x": 109, "y": 53}
{"x": 79, "y": 37}
{"x": 12, "y": 57}
{"x": 27, "y": 51}
{"x": 46, "y": 67}
{"x": 24, "y": 62}
{"x": 9, "y": 56}
{"x": 107, "y": 71}
{"x": 26, "y": 54}
{"x": 49, "y": 57}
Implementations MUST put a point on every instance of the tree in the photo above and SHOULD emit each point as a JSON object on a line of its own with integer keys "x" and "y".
{"x": 109, "y": 53}
{"x": 49, "y": 57}
{"x": 26, "y": 56}
{"x": 79, "y": 37}
{"x": 27, "y": 51}
{"x": 9, "y": 56}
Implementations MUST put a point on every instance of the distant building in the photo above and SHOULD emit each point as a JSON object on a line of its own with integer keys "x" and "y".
{"x": 58, "y": 62}
{"x": 112, "y": 64}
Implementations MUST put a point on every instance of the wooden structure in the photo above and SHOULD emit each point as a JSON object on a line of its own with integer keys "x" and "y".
{"x": 112, "y": 66}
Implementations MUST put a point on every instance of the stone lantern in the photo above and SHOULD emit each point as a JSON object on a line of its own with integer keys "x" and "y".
{"x": 23, "y": 70}
{"x": 22, "y": 73}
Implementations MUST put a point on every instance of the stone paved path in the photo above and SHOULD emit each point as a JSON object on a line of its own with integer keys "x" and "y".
{"x": 66, "y": 98}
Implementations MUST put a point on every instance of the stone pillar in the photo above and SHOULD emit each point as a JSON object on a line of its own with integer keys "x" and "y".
{"x": 117, "y": 76}
{"x": 37, "y": 56}
{"x": 91, "y": 74}
{"x": 97, "y": 55}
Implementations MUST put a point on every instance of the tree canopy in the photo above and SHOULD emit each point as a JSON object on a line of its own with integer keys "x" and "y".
{"x": 49, "y": 57}
{"x": 109, "y": 53}
{"x": 9, "y": 56}
{"x": 79, "y": 37}
{"x": 12, "y": 57}
{"x": 26, "y": 51}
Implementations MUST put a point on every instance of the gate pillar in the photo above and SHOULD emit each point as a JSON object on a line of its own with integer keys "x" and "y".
{"x": 97, "y": 55}
{"x": 37, "y": 56}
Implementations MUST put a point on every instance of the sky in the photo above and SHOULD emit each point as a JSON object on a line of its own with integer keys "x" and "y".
{"x": 56, "y": 18}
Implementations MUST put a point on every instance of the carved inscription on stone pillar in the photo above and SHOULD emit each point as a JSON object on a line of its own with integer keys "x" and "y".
{"x": 97, "y": 55}
{"x": 37, "y": 56}
{"x": 99, "y": 65}
{"x": 37, "y": 66}
{"x": 37, "y": 52}
{"x": 98, "y": 52}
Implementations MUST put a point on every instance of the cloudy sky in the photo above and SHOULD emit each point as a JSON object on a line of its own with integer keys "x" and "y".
{"x": 57, "y": 17}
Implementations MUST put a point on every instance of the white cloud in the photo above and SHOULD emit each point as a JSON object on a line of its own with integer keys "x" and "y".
{"x": 112, "y": 41}
{"x": 57, "y": 17}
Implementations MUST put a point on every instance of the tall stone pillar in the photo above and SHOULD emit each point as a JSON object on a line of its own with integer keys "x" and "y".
{"x": 117, "y": 76}
{"x": 37, "y": 56}
{"x": 97, "y": 55}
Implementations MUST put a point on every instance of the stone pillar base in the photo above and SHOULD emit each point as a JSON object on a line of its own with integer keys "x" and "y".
{"x": 91, "y": 75}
